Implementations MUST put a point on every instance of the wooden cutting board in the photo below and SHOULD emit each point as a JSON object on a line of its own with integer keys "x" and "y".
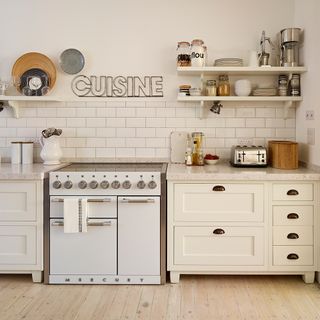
{"x": 178, "y": 146}
{"x": 283, "y": 154}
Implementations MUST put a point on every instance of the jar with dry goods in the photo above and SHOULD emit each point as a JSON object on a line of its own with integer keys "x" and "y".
{"x": 183, "y": 54}
{"x": 197, "y": 53}
{"x": 295, "y": 85}
{"x": 211, "y": 88}
{"x": 224, "y": 85}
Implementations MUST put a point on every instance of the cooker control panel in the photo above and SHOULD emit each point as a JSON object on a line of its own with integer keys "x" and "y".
{"x": 100, "y": 183}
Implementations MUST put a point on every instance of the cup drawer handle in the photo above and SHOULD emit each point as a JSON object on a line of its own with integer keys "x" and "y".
{"x": 293, "y": 215}
{"x": 292, "y": 256}
{"x": 218, "y": 188}
{"x": 218, "y": 231}
{"x": 292, "y": 192}
{"x": 293, "y": 236}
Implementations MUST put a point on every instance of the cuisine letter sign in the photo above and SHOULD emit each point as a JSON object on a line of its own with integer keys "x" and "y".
{"x": 119, "y": 86}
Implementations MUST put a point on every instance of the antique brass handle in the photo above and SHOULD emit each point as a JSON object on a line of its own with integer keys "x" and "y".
{"x": 293, "y": 215}
{"x": 218, "y": 231}
{"x": 218, "y": 188}
{"x": 292, "y": 192}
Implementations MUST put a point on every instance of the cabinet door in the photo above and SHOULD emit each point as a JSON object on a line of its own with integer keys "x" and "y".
{"x": 18, "y": 201}
{"x": 218, "y": 202}
{"x": 293, "y": 255}
{"x": 292, "y": 215}
{"x": 220, "y": 246}
{"x": 294, "y": 191}
{"x": 17, "y": 247}
{"x": 292, "y": 236}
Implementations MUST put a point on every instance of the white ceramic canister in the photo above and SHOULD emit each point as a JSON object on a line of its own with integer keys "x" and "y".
{"x": 16, "y": 152}
{"x": 197, "y": 53}
{"x": 27, "y": 152}
{"x": 51, "y": 152}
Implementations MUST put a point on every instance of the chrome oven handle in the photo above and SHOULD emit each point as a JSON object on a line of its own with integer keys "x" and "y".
{"x": 90, "y": 223}
{"x": 89, "y": 200}
{"x": 125, "y": 200}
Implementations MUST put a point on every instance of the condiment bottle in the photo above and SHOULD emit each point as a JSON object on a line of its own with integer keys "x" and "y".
{"x": 197, "y": 53}
{"x": 211, "y": 88}
{"x": 183, "y": 54}
{"x": 224, "y": 85}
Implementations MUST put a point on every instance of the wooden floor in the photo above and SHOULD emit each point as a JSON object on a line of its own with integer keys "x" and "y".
{"x": 195, "y": 297}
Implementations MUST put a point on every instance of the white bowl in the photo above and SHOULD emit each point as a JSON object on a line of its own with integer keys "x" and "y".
{"x": 211, "y": 161}
{"x": 242, "y": 87}
{"x": 195, "y": 91}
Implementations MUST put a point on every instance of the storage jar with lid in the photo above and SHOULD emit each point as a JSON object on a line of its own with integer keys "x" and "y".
{"x": 211, "y": 88}
{"x": 197, "y": 53}
{"x": 183, "y": 54}
{"x": 224, "y": 85}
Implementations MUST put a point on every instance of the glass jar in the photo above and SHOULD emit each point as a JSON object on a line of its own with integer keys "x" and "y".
{"x": 211, "y": 88}
{"x": 183, "y": 54}
{"x": 224, "y": 85}
{"x": 197, "y": 53}
{"x": 295, "y": 85}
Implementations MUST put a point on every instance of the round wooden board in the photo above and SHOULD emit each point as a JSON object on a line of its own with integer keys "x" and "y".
{"x": 33, "y": 60}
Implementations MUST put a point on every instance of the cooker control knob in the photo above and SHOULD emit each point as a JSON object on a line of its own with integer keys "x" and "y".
{"x": 68, "y": 184}
{"x": 141, "y": 184}
{"x": 82, "y": 184}
{"x": 152, "y": 184}
{"x": 57, "y": 184}
{"x": 115, "y": 184}
{"x": 126, "y": 184}
{"x": 104, "y": 184}
{"x": 93, "y": 184}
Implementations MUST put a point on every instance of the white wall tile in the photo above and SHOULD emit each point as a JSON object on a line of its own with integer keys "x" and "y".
{"x": 106, "y": 132}
{"x": 85, "y": 152}
{"x": 175, "y": 122}
{"x": 164, "y": 132}
{"x": 125, "y": 112}
{"x": 106, "y": 112}
{"x": 195, "y": 122}
{"x": 136, "y": 122}
{"x": 135, "y": 142}
{"x": 86, "y": 132}
{"x": 16, "y": 123}
{"x": 155, "y": 104}
{"x": 116, "y": 104}
{"x": 255, "y": 123}
{"x": 228, "y": 143}
{"x": 115, "y": 142}
{"x": 105, "y": 152}
{"x": 245, "y": 112}
{"x": 225, "y": 133}
{"x": 86, "y": 112}
{"x": 163, "y": 153}
{"x": 155, "y": 142}
{"x": 145, "y": 152}
{"x": 68, "y": 132}
{"x": 28, "y": 112}
{"x": 47, "y": 112}
{"x": 265, "y": 132}
{"x": 68, "y": 152}
{"x": 184, "y": 112}
{"x": 126, "y": 132}
{"x": 155, "y": 122}
{"x": 214, "y": 142}
{"x": 235, "y": 123}
{"x": 125, "y": 152}
{"x": 96, "y": 142}
{"x": 26, "y": 132}
{"x": 55, "y": 122}
{"x": 265, "y": 112}
{"x": 290, "y": 123}
{"x": 96, "y": 122}
{"x": 216, "y": 122}
{"x": 8, "y": 132}
{"x": 146, "y": 112}
{"x": 76, "y": 122}
{"x": 228, "y": 112}
{"x": 135, "y": 104}
{"x": 116, "y": 122}
{"x": 285, "y": 133}
{"x": 275, "y": 123}
{"x": 66, "y": 112}
{"x": 146, "y": 132}
{"x": 245, "y": 133}
{"x": 76, "y": 142}
{"x": 166, "y": 112}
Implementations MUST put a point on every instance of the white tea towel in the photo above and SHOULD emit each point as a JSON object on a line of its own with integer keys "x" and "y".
{"x": 83, "y": 215}
{"x": 71, "y": 215}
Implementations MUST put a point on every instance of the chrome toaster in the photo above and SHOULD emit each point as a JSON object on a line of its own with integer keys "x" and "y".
{"x": 243, "y": 156}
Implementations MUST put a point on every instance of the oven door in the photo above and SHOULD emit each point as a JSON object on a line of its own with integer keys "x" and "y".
{"x": 139, "y": 236}
{"x": 87, "y": 253}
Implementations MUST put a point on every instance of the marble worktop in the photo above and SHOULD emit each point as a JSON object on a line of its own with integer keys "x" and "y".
{"x": 224, "y": 171}
{"x": 35, "y": 171}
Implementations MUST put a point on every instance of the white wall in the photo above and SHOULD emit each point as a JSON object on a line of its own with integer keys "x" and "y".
{"x": 307, "y": 16}
{"x": 123, "y": 37}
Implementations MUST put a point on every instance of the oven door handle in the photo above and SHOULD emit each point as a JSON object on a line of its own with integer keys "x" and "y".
{"x": 90, "y": 223}
{"x": 89, "y": 200}
{"x": 125, "y": 200}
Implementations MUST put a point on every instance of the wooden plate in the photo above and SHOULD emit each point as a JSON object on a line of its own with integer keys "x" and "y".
{"x": 34, "y": 60}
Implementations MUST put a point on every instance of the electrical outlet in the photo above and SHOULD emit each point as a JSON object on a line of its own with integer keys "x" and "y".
{"x": 245, "y": 142}
{"x": 309, "y": 115}
{"x": 311, "y": 136}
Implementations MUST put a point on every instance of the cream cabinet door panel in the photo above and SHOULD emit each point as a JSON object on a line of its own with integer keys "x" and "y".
{"x": 218, "y": 202}
{"x": 292, "y": 215}
{"x": 293, "y": 255}
{"x": 17, "y": 246}
{"x": 18, "y": 201}
{"x": 294, "y": 191}
{"x": 237, "y": 246}
{"x": 293, "y": 236}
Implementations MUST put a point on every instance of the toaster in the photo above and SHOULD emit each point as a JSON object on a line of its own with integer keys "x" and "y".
{"x": 245, "y": 156}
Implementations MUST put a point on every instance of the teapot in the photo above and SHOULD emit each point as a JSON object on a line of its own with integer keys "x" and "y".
{"x": 51, "y": 152}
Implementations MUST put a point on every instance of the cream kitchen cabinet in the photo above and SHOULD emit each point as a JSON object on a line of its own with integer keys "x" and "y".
{"x": 242, "y": 227}
{"x": 21, "y": 227}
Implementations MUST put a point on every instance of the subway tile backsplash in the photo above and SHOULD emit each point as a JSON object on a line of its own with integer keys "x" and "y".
{"x": 138, "y": 129}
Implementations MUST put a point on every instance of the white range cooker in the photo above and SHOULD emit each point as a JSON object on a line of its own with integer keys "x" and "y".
{"x": 124, "y": 238}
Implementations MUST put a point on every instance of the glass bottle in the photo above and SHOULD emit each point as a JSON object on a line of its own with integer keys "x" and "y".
{"x": 224, "y": 85}
{"x": 197, "y": 53}
{"x": 183, "y": 54}
{"x": 211, "y": 88}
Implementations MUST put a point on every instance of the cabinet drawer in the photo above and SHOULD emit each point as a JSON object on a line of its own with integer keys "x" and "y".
{"x": 17, "y": 246}
{"x": 292, "y": 235}
{"x": 293, "y": 255}
{"x": 292, "y": 215}
{"x": 218, "y": 202}
{"x": 237, "y": 246}
{"x": 18, "y": 201}
{"x": 295, "y": 191}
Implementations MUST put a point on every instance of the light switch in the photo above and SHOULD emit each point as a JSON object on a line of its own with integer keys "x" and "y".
{"x": 311, "y": 136}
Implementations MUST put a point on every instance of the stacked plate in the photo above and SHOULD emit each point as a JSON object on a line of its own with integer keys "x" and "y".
{"x": 228, "y": 62}
{"x": 265, "y": 92}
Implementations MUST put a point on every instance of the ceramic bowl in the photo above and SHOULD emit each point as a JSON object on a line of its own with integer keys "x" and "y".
{"x": 195, "y": 91}
{"x": 242, "y": 87}
{"x": 211, "y": 161}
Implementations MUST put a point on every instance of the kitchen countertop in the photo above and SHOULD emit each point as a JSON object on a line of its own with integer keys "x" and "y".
{"x": 35, "y": 171}
{"x": 224, "y": 171}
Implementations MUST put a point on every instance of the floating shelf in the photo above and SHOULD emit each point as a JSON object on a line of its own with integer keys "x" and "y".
{"x": 253, "y": 71}
{"x": 238, "y": 98}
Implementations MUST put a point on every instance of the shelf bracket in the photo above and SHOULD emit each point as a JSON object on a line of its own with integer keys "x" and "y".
{"x": 287, "y": 106}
